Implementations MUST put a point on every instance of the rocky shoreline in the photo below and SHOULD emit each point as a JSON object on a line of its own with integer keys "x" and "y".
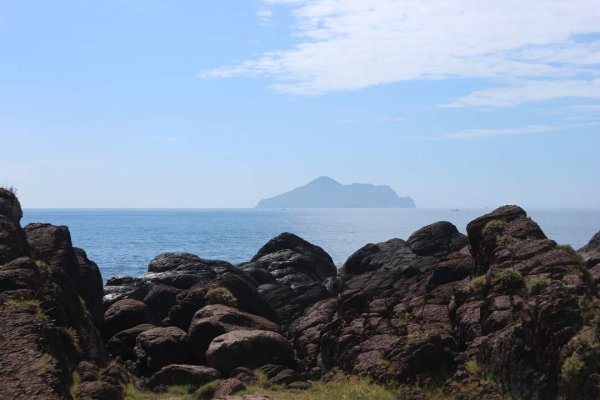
{"x": 503, "y": 312}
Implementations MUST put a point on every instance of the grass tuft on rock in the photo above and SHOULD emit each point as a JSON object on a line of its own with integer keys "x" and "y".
{"x": 536, "y": 285}
{"x": 494, "y": 226}
{"x": 221, "y": 295}
{"x": 508, "y": 277}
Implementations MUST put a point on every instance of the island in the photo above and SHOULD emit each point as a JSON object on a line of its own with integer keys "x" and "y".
{"x": 325, "y": 192}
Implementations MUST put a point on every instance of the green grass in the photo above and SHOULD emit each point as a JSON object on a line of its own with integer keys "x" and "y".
{"x": 504, "y": 240}
{"x": 341, "y": 388}
{"x": 572, "y": 369}
{"x": 32, "y": 304}
{"x": 493, "y": 226}
{"x": 572, "y": 252}
{"x": 181, "y": 391}
{"x": 206, "y": 391}
{"x": 76, "y": 380}
{"x": 508, "y": 277}
{"x": 42, "y": 365}
{"x": 536, "y": 285}
{"x": 477, "y": 284}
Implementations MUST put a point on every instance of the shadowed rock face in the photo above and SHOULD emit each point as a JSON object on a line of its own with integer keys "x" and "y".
{"x": 50, "y": 309}
{"x": 591, "y": 256}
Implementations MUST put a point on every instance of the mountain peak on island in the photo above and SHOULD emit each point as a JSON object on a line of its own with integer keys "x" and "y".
{"x": 325, "y": 192}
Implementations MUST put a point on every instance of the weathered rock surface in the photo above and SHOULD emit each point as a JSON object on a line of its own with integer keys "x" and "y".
{"x": 217, "y": 319}
{"x": 125, "y": 314}
{"x": 49, "y": 314}
{"x": 591, "y": 256}
{"x": 182, "y": 374}
{"x": 250, "y": 349}
{"x": 158, "y": 347}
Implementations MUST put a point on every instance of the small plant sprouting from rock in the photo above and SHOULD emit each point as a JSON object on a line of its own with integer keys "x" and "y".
{"x": 493, "y": 226}
{"x": 473, "y": 368}
{"x": 221, "y": 295}
{"x": 508, "y": 277}
{"x": 477, "y": 284}
{"x": 10, "y": 190}
{"x": 536, "y": 285}
{"x": 42, "y": 365}
{"x": 207, "y": 390}
{"x": 572, "y": 369}
{"x": 573, "y": 252}
{"x": 504, "y": 240}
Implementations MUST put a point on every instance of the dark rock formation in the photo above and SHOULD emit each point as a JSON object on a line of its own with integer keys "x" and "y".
{"x": 125, "y": 314}
{"x": 159, "y": 347}
{"x": 502, "y": 310}
{"x": 122, "y": 344}
{"x": 591, "y": 256}
{"x": 49, "y": 311}
{"x": 182, "y": 374}
{"x": 250, "y": 349}
{"x": 215, "y": 320}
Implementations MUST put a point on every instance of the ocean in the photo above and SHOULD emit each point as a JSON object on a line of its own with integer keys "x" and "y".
{"x": 122, "y": 242}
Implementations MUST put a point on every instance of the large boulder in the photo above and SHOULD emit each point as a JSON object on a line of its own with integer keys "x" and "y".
{"x": 250, "y": 349}
{"x": 183, "y": 374}
{"x": 158, "y": 347}
{"x": 125, "y": 314}
{"x": 439, "y": 239}
{"x": 122, "y": 344}
{"x": 294, "y": 261}
{"x": 217, "y": 319}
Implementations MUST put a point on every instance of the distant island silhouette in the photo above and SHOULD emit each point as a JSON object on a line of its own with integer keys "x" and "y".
{"x": 325, "y": 192}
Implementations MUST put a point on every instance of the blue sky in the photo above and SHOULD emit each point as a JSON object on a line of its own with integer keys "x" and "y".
{"x": 111, "y": 103}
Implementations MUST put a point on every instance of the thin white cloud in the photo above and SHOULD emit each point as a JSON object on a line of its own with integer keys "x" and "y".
{"x": 483, "y": 133}
{"x": 355, "y": 44}
{"x": 530, "y": 91}
{"x": 265, "y": 15}
{"x": 586, "y": 108}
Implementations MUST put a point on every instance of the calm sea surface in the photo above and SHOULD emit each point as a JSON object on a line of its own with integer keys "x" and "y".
{"x": 122, "y": 242}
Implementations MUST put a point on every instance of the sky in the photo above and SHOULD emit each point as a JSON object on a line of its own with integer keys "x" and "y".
{"x": 151, "y": 103}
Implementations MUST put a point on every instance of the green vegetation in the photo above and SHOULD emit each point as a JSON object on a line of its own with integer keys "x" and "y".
{"x": 341, "y": 388}
{"x": 536, "y": 285}
{"x": 32, "y": 304}
{"x": 508, "y": 277}
{"x": 572, "y": 369}
{"x": 477, "y": 284}
{"x": 493, "y": 226}
{"x": 504, "y": 240}
{"x": 206, "y": 391}
{"x": 221, "y": 295}
{"x": 72, "y": 336}
{"x": 11, "y": 190}
{"x": 572, "y": 252}
{"x": 42, "y": 365}
{"x": 473, "y": 368}
{"x": 181, "y": 391}
{"x": 75, "y": 381}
